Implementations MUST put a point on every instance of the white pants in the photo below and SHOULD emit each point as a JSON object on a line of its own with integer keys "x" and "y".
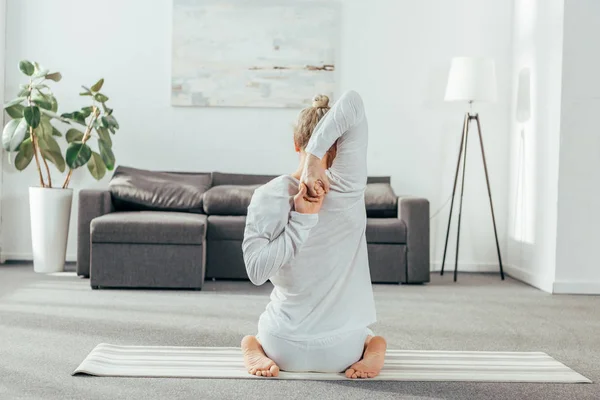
{"x": 331, "y": 354}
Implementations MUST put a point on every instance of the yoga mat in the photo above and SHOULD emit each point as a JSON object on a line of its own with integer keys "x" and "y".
{"x": 400, "y": 365}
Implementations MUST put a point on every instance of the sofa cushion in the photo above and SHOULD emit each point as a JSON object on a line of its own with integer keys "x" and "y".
{"x": 137, "y": 189}
{"x": 221, "y": 178}
{"x": 223, "y": 227}
{"x": 228, "y": 199}
{"x": 386, "y": 230}
{"x": 381, "y": 201}
{"x": 156, "y": 227}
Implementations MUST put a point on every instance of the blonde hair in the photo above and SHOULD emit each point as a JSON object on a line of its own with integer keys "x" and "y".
{"x": 308, "y": 120}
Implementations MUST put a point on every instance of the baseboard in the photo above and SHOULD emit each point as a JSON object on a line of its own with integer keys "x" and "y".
{"x": 527, "y": 277}
{"x": 29, "y": 257}
{"x": 576, "y": 287}
{"x": 465, "y": 267}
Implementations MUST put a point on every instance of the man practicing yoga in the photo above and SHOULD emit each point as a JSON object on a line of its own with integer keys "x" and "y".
{"x": 305, "y": 232}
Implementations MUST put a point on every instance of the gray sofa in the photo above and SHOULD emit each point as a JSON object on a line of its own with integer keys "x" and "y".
{"x": 132, "y": 236}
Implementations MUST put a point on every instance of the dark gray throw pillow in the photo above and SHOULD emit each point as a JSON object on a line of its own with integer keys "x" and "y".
{"x": 137, "y": 189}
{"x": 381, "y": 201}
{"x": 228, "y": 199}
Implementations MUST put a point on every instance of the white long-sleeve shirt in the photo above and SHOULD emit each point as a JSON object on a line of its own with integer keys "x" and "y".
{"x": 317, "y": 262}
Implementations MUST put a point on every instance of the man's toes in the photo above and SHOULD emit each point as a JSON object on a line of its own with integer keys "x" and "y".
{"x": 349, "y": 373}
{"x": 274, "y": 370}
{"x": 252, "y": 371}
{"x": 258, "y": 372}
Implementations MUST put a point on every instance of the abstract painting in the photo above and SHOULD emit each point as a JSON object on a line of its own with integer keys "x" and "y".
{"x": 252, "y": 53}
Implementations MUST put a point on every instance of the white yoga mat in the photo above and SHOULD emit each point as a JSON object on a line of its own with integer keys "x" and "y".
{"x": 400, "y": 365}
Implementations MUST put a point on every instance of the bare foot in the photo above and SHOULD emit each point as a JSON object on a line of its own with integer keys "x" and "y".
{"x": 256, "y": 361}
{"x": 372, "y": 362}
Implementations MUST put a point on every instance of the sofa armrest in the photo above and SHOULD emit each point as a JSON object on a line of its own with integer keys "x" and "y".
{"x": 414, "y": 211}
{"x": 92, "y": 204}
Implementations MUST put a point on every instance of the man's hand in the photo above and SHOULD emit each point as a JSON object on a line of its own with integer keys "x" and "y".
{"x": 314, "y": 177}
{"x": 307, "y": 205}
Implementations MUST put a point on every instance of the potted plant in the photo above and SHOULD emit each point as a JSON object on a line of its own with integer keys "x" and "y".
{"x": 32, "y": 136}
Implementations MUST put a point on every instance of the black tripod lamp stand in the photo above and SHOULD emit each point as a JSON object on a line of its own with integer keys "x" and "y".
{"x": 470, "y": 80}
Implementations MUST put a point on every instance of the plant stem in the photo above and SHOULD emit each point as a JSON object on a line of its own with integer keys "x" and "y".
{"x": 86, "y": 136}
{"x": 34, "y": 144}
{"x": 47, "y": 171}
{"x": 35, "y": 153}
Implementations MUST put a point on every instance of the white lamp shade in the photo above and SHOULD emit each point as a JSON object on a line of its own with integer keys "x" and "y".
{"x": 471, "y": 79}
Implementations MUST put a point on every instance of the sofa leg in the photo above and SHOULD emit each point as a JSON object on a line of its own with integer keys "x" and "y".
{"x": 94, "y": 287}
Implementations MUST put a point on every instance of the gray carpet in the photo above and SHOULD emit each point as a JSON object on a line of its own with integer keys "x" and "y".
{"x": 48, "y": 324}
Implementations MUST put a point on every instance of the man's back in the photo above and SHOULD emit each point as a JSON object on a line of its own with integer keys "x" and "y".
{"x": 326, "y": 287}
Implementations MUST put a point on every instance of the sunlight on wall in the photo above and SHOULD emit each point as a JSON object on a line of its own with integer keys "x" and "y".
{"x": 522, "y": 222}
{"x": 522, "y": 227}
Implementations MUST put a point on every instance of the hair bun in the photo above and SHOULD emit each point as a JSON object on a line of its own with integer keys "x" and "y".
{"x": 320, "y": 101}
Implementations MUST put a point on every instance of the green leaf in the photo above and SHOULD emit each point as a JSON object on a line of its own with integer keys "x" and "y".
{"x": 18, "y": 100}
{"x": 79, "y": 117}
{"x": 107, "y": 111}
{"x": 54, "y": 103}
{"x": 104, "y": 136}
{"x": 45, "y": 127}
{"x": 40, "y": 93}
{"x": 75, "y": 116}
{"x": 48, "y": 98}
{"x": 55, "y": 76}
{"x": 107, "y": 155}
{"x": 87, "y": 111}
{"x": 56, "y": 132}
{"x": 13, "y": 134}
{"x": 100, "y": 98}
{"x": 96, "y": 166}
{"x": 51, "y": 151}
{"x": 98, "y": 85}
{"x": 112, "y": 121}
{"x": 104, "y": 122}
{"x": 25, "y": 155}
{"x": 78, "y": 154}
{"x": 15, "y": 111}
{"x": 39, "y": 70}
{"x": 23, "y": 92}
{"x": 26, "y": 67}
{"x": 32, "y": 116}
{"x": 43, "y": 104}
{"x": 73, "y": 135}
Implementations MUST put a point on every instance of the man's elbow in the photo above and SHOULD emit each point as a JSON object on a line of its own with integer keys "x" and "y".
{"x": 257, "y": 280}
{"x": 255, "y": 276}
{"x": 253, "y": 272}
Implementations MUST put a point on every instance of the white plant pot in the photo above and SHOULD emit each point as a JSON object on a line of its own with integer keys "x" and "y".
{"x": 50, "y": 211}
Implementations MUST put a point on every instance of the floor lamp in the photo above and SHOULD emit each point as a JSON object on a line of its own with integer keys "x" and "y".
{"x": 470, "y": 80}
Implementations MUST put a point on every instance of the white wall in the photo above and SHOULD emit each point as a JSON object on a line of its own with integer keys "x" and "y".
{"x": 534, "y": 141}
{"x": 577, "y": 266}
{"x": 2, "y": 68}
{"x": 396, "y": 53}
